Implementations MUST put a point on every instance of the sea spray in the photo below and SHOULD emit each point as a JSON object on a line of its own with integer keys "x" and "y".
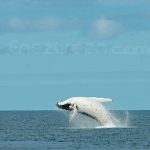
{"x": 121, "y": 117}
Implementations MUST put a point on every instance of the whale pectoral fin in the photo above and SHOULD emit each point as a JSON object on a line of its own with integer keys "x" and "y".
{"x": 100, "y": 100}
{"x": 75, "y": 112}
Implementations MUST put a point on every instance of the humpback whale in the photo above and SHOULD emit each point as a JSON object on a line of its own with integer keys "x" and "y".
{"x": 90, "y": 106}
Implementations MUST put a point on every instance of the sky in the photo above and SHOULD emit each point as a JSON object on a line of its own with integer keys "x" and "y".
{"x": 51, "y": 50}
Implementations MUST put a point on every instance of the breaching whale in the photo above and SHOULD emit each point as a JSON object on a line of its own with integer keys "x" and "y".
{"x": 90, "y": 106}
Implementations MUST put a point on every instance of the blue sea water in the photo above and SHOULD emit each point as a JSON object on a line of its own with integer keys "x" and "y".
{"x": 50, "y": 130}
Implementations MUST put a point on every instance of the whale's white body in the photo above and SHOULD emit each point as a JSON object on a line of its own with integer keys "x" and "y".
{"x": 90, "y": 106}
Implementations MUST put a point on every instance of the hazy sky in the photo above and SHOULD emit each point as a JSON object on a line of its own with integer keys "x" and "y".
{"x": 54, "y": 49}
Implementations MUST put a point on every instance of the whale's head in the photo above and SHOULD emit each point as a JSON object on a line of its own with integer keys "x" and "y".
{"x": 64, "y": 105}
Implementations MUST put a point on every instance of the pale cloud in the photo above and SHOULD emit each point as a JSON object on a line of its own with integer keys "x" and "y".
{"x": 24, "y": 2}
{"x": 106, "y": 28}
{"x": 40, "y": 24}
{"x": 47, "y": 23}
{"x": 18, "y": 24}
{"x": 124, "y": 2}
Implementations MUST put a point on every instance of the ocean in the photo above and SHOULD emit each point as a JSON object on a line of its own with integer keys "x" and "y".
{"x": 50, "y": 130}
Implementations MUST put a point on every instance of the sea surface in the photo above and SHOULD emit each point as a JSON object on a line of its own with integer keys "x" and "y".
{"x": 50, "y": 130}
